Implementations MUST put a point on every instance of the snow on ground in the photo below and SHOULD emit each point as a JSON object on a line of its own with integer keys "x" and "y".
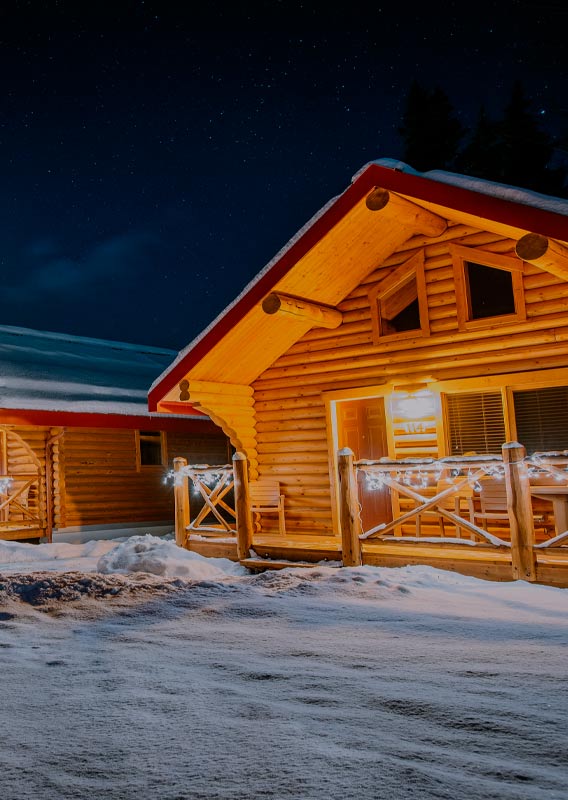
{"x": 133, "y": 669}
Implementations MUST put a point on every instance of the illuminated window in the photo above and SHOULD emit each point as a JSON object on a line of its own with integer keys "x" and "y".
{"x": 489, "y": 286}
{"x": 150, "y": 448}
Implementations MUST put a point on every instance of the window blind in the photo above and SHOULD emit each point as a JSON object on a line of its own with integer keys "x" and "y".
{"x": 475, "y": 422}
{"x": 541, "y": 416}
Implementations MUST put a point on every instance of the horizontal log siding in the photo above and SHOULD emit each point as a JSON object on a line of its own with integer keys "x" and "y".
{"x": 204, "y": 449}
{"x": 104, "y": 486}
{"x": 102, "y": 483}
{"x": 289, "y": 408}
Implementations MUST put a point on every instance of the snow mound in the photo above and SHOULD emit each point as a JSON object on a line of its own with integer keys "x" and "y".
{"x": 164, "y": 558}
{"x": 23, "y": 557}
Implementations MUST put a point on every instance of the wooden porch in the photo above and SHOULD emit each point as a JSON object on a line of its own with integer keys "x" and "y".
{"x": 503, "y": 553}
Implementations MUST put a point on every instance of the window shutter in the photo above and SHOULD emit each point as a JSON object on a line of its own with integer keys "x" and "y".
{"x": 475, "y": 422}
{"x": 541, "y": 416}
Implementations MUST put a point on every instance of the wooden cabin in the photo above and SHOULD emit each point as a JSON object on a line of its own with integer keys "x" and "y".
{"x": 80, "y": 454}
{"x": 417, "y": 316}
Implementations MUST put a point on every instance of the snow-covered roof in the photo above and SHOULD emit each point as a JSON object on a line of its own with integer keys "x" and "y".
{"x": 514, "y": 194}
{"x": 58, "y": 372}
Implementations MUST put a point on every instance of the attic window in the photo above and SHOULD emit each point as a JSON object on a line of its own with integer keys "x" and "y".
{"x": 398, "y": 302}
{"x": 489, "y": 287}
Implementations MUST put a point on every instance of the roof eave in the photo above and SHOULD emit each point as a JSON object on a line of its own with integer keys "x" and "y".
{"x": 418, "y": 187}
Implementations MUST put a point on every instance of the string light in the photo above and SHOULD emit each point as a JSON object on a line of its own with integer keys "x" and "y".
{"x": 5, "y": 485}
{"x": 421, "y": 474}
{"x": 202, "y": 474}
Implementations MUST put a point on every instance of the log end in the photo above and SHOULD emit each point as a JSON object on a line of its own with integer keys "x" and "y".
{"x": 531, "y": 246}
{"x": 271, "y": 304}
{"x": 377, "y": 199}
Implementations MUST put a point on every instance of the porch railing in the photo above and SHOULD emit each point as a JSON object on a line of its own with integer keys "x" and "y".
{"x": 16, "y": 510}
{"x": 213, "y": 483}
{"x": 409, "y": 477}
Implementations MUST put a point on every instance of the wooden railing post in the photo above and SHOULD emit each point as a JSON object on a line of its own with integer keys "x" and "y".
{"x": 520, "y": 511}
{"x": 242, "y": 506}
{"x": 181, "y": 498}
{"x": 349, "y": 509}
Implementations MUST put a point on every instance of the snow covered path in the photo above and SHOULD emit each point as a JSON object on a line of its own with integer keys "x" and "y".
{"x": 322, "y": 683}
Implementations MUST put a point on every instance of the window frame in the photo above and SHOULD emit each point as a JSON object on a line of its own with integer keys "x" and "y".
{"x": 139, "y": 434}
{"x": 460, "y": 257}
{"x": 387, "y": 287}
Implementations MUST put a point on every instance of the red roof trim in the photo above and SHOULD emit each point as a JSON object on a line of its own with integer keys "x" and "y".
{"x": 198, "y": 424}
{"x": 536, "y": 220}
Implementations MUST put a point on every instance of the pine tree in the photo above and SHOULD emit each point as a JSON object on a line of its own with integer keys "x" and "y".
{"x": 481, "y": 157}
{"x": 526, "y": 149}
{"x": 430, "y": 130}
{"x": 514, "y": 150}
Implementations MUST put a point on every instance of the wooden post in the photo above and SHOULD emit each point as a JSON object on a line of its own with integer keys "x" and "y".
{"x": 349, "y": 509}
{"x": 242, "y": 506}
{"x": 520, "y": 511}
{"x": 181, "y": 497}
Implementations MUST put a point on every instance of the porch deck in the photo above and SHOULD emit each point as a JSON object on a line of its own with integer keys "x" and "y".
{"x": 479, "y": 562}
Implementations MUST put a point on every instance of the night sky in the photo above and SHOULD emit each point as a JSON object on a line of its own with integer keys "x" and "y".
{"x": 153, "y": 159}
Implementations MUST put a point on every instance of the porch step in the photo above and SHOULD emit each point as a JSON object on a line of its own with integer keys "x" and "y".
{"x": 261, "y": 564}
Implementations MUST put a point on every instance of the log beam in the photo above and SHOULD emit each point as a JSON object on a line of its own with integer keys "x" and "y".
{"x": 349, "y": 510}
{"x": 181, "y": 500}
{"x": 242, "y": 506}
{"x": 416, "y": 217}
{"x": 520, "y": 512}
{"x": 297, "y": 308}
{"x": 544, "y": 253}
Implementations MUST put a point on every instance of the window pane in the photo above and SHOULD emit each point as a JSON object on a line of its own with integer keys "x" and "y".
{"x": 475, "y": 423}
{"x": 150, "y": 448}
{"x": 490, "y": 291}
{"x": 407, "y": 320}
{"x": 542, "y": 418}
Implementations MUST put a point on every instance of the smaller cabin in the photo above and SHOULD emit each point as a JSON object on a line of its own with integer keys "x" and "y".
{"x": 80, "y": 455}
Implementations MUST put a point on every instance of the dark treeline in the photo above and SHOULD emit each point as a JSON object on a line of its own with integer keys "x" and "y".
{"x": 513, "y": 149}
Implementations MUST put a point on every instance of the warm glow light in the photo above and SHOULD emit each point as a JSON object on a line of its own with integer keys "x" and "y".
{"x": 415, "y": 405}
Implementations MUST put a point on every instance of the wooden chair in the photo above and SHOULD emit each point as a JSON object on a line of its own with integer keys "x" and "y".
{"x": 265, "y": 498}
{"x": 493, "y": 505}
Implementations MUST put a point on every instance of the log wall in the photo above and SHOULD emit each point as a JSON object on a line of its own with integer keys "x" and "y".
{"x": 95, "y": 477}
{"x": 290, "y": 410}
{"x": 103, "y": 483}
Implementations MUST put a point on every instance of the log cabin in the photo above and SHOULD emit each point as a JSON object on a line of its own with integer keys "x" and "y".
{"x": 81, "y": 456}
{"x": 414, "y": 319}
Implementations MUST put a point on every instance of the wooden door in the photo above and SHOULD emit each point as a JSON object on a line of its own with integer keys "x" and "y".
{"x": 361, "y": 426}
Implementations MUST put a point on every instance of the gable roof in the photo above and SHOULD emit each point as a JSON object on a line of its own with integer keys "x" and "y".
{"x": 53, "y": 372}
{"x": 344, "y": 228}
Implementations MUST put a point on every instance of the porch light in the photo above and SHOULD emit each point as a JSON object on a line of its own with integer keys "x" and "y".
{"x": 414, "y": 402}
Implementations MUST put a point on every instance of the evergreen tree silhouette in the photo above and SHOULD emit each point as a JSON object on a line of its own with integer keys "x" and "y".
{"x": 526, "y": 149}
{"x": 430, "y": 130}
{"x": 481, "y": 156}
{"x": 513, "y": 149}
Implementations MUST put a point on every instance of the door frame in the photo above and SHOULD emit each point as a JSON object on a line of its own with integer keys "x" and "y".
{"x": 331, "y": 399}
